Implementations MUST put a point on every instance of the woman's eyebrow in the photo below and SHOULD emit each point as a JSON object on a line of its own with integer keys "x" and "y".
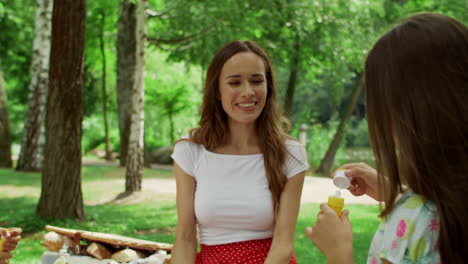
{"x": 258, "y": 75}
{"x": 234, "y": 76}
{"x": 238, "y": 75}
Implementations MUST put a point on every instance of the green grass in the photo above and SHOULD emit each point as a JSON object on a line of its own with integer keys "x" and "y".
{"x": 153, "y": 221}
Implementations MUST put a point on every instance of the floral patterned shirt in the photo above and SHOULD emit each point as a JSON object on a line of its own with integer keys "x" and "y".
{"x": 409, "y": 234}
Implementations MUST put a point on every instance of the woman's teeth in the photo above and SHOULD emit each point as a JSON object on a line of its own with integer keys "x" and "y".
{"x": 247, "y": 105}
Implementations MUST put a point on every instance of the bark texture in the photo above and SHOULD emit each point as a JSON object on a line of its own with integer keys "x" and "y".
{"x": 134, "y": 171}
{"x": 61, "y": 195}
{"x": 30, "y": 157}
{"x": 126, "y": 63}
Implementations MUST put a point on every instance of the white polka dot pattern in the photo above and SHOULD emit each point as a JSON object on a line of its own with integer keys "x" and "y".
{"x": 245, "y": 252}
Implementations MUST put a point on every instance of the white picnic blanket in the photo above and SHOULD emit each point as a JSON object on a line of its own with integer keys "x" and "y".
{"x": 50, "y": 257}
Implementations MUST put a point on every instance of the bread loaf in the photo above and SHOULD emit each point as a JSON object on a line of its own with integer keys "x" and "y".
{"x": 127, "y": 255}
{"x": 53, "y": 241}
{"x": 98, "y": 251}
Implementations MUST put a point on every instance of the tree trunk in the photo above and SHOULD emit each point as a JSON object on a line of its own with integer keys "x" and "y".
{"x": 61, "y": 195}
{"x": 5, "y": 140}
{"x": 30, "y": 157}
{"x": 126, "y": 59}
{"x": 327, "y": 161}
{"x": 171, "y": 125}
{"x": 288, "y": 99}
{"x": 134, "y": 171}
{"x": 104, "y": 92}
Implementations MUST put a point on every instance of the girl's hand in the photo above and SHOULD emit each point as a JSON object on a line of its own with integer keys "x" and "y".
{"x": 332, "y": 235}
{"x": 364, "y": 179}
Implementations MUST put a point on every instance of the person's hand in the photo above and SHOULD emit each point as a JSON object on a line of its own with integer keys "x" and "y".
{"x": 364, "y": 179}
{"x": 4, "y": 256}
{"x": 11, "y": 238}
{"x": 332, "y": 235}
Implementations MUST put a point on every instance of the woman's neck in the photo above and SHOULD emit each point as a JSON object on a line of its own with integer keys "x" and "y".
{"x": 243, "y": 140}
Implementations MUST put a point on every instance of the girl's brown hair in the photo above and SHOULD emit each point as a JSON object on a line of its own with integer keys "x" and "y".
{"x": 271, "y": 126}
{"x": 417, "y": 109}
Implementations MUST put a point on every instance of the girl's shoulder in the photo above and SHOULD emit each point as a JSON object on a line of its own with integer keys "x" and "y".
{"x": 409, "y": 200}
{"x": 409, "y": 234}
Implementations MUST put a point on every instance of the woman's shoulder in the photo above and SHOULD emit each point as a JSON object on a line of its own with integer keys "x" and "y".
{"x": 187, "y": 142}
{"x": 293, "y": 146}
{"x": 293, "y": 143}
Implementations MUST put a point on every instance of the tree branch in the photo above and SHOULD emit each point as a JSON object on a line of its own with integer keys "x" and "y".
{"x": 177, "y": 40}
{"x": 156, "y": 14}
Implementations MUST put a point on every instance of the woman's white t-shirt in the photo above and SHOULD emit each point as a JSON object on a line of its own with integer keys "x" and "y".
{"x": 232, "y": 200}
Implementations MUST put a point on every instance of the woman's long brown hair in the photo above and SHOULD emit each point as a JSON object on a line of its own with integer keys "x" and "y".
{"x": 271, "y": 126}
{"x": 417, "y": 109}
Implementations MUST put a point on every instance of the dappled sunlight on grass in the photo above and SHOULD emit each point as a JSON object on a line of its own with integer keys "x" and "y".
{"x": 152, "y": 219}
{"x": 127, "y": 220}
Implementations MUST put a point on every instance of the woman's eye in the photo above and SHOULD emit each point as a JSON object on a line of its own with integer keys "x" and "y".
{"x": 234, "y": 83}
{"x": 257, "y": 81}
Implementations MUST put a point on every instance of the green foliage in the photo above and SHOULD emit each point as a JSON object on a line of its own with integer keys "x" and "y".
{"x": 17, "y": 24}
{"x": 357, "y": 135}
{"x": 318, "y": 139}
{"x": 93, "y": 132}
{"x": 171, "y": 88}
{"x": 329, "y": 37}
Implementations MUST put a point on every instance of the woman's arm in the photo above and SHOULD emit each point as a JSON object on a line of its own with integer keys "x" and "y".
{"x": 282, "y": 246}
{"x": 185, "y": 245}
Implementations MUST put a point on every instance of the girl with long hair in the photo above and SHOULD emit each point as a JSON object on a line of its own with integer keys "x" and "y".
{"x": 416, "y": 79}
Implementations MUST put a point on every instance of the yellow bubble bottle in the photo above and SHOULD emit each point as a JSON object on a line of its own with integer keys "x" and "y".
{"x": 336, "y": 203}
{"x": 2, "y": 240}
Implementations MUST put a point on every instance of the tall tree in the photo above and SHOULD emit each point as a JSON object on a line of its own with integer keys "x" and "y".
{"x": 61, "y": 195}
{"x": 104, "y": 91}
{"x": 126, "y": 63}
{"x": 134, "y": 171}
{"x": 294, "y": 68}
{"x": 30, "y": 157}
{"x": 5, "y": 140}
{"x": 327, "y": 161}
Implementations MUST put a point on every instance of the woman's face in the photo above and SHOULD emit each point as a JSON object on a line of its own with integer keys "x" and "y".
{"x": 243, "y": 87}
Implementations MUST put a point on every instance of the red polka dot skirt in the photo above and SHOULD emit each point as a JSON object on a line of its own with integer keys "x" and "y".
{"x": 245, "y": 252}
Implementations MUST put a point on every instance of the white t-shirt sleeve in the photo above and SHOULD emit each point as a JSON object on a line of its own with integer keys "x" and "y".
{"x": 185, "y": 155}
{"x": 296, "y": 159}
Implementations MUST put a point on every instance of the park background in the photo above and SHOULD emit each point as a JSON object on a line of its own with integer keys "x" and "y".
{"x": 82, "y": 130}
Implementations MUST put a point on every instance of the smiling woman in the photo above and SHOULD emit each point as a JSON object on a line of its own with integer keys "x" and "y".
{"x": 239, "y": 175}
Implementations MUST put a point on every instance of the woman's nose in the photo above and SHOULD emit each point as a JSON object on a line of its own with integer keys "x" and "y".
{"x": 247, "y": 90}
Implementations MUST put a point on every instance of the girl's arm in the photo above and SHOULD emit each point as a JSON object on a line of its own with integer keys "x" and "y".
{"x": 282, "y": 246}
{"x": 333, "y": 236}
{"x": 185, "y": 245}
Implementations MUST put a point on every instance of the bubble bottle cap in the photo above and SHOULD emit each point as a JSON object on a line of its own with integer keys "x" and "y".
{"x": 340, "y": 180}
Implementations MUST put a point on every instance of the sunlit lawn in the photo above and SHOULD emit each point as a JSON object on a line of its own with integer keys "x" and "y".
{"x": 153, "y": 221}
